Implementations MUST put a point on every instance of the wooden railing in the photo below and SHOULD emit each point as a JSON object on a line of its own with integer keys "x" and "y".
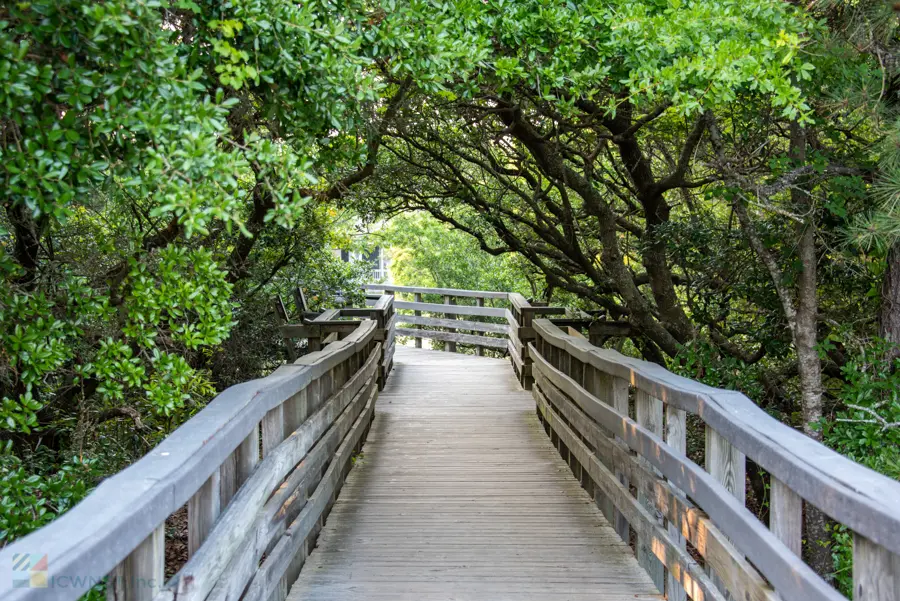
{"x": 445, "y": 314}
{"x": 259, "y": 468}
{"x": 622, "y": 425}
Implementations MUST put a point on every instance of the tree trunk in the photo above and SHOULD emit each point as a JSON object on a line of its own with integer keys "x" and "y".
{"x": 817, "y": 551}
{"x": 889, "y": 315}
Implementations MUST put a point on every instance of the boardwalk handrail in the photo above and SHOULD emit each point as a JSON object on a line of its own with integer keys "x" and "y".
{"x": 245, "y": 465}
{"x": 583, "y": 395}
{"x": 449, "y": 322}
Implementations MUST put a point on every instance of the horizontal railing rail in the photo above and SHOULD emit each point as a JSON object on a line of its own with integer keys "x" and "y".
{"x": 455, "y": 322}
{"x": 387, "y": 288}
{"x": 258, "y": 469}
{"x": 622, "y": 423}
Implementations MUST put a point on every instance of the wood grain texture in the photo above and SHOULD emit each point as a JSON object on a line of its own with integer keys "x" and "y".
{"x": 141, "y": 575}
{"x": 789, "y": 575}
{"x": 454, "y": 337}
{"x": 676, "y": 437}
{"x": 475, "y": 326}
{"x": 876, "y": 572}
{"x": 715, "y": 548}
{"x": 850, "y": 493}
{"x": 786, "y": 515}
{"x": 441, "y": 291}
{"x": 451, "y": 309}
{"x": 459, "y": 495}
{"x": 649, "y": 413}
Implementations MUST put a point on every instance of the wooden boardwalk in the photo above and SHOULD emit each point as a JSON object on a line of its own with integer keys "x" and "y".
{"x": 459, "y": 495}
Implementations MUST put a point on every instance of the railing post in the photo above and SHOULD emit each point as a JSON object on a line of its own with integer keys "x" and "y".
{"x": 728, "y": 465}
{"x": 450, "y": 347}
{"x": 418, "y": 298}
{"x": 876, "y": 571}
{"x": 479, "y": 350}
{"x": 141, "y": 575}
{"x": 203, "y": 509}
{"x": 649, "y": 413}
{"x": 676, "y": 437}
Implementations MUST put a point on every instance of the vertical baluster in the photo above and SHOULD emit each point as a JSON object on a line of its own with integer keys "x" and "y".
{"x": 203, "y": 509}
{"x": 450, "y": 347}
{"x": 676, "y": 437}
{"x": 649, "y": 413}
{"x": 876, "y": 571}
{"x": 247, "y": 455}
{"x": 786, "y": 515}
{"x": 140, "y": 575}
{"x": 272, "y": 429}
{"x": 596, "y": 383}
{"x": 729, "y": 466}
{"x": 479, "y": 350}
{"x": 418, "y": 300}
{"x": 618, "y": 398}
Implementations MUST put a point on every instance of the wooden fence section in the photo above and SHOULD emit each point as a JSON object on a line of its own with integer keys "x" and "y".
{"x": 259, "y": 468}
{"x": 621, "y": 424}
{"x": 450, "y": 316}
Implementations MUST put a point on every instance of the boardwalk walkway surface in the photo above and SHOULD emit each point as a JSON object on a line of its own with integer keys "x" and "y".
{"x": 459, "y": 495}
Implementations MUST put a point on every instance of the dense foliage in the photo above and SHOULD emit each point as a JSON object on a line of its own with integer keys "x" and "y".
{"x": 717, "y": 176}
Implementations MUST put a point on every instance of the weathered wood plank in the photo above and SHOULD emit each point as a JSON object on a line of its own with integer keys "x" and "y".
{"x": 440, "y": 291}
{"x": 479, "y": 350}
{"x": 203, "y": 509}
{"x": 477, "y": 326}
{"x": 649, "y": 413}
{"x": 140, "y": 576}
{"x": 453, "y": 337}
{"x": 786, "y": 515}
{"x": 451, "y": 309}
{"x": 851, "y": 494}
{"x": 676, "y": 437}
{"x": 794, "y": 579}
{"x": 417, "y": 315}
{"x": 876, "y": 572}
{"x": 450, "y": 347}
{"x": 741, "y": 577}
{"x": 458, "y": 495}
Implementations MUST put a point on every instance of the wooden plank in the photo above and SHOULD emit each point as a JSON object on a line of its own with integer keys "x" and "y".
{"x": 458, "y": 495}
{"x": 786, "y": 515}
{"x": 439, "y": 291}
{"x": 676, "y": 437}
{"x": 454, "y": 337}
{"x": 479, "y": 350}
{"x": 876, "y": 572}
{"x": 865, "y": 501}
{"x": 203, "y": 509}
{"x": 277, "y": 562}
{"x": 451, "y": 344}
{"x": 272, "y": 429}
{"x": 646, "y": 524}
{"x": 141, "y": 575}
{"x": 617, "y": 391}
{"x": 199, "y": 575}
{"x": 417, "y": 315}
{"x": 649, "y": 413}
{"x": 739, "y": 575}
{"x": 455, "y": 309}
{"x": 478, "y": 326}
{"x": 792, "y": 578}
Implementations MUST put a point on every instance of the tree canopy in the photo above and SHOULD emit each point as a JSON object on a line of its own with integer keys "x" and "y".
{"x": 718, "y": 176}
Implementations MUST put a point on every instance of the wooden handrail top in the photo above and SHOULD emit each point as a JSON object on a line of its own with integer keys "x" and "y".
{"x": 441, "y": 291}
{"x": 89, "y": 540}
